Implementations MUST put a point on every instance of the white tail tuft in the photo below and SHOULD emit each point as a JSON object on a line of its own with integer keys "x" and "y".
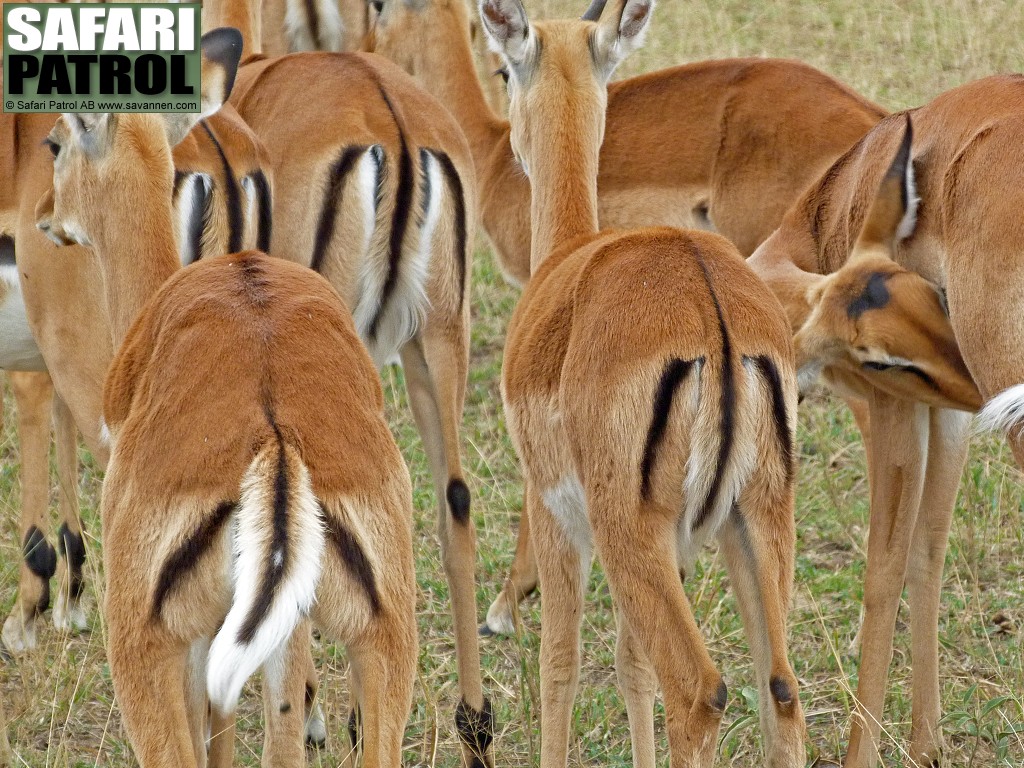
{"x": 232, "y": 661}
{"x": 1004, "y": 412}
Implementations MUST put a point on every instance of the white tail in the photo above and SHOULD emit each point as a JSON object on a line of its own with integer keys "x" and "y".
{"x": 278, "y": 548}
{"x": 1004, "y": 412}
{"x": 314, "y": 26}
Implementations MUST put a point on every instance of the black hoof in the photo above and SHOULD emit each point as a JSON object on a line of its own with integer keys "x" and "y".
{"x": 486, "y": 631}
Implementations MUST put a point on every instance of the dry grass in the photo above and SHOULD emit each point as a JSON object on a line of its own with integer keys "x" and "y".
{"x": 59, "y": 698}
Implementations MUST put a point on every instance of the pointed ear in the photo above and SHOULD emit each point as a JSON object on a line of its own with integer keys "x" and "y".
{"x": 893, "y": 213}
{"x": 508, "y": 29}
{"x": 91, "y": 131}
{"x": 621, "y": 32}
{"x": 221, "y": 50}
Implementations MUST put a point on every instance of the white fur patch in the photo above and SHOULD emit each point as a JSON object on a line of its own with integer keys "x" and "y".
{"x": 232, "y": 662}
{"x": 909, "y": 221}
{"x": 406, "y": 306}
{"x": 18, "y": 349}
{"x": 568, "y": 504}
{"x": 189, "y": 212}
{"x": 1004, "y": 412}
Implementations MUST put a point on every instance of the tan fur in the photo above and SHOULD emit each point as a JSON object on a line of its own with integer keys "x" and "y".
{"x": 715, "y": 147}
{"x": 380, "y": 114}
{"x": 967, "y": 160}
{"x": 716, "y": 160}
{"x": 603, "y": 319}
{"x": 235, "y": 359}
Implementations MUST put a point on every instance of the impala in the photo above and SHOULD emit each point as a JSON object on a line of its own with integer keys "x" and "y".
{"x": 250, "y": 458}
{"x": 650, "y": 392}
{"x": 962, "y": 167}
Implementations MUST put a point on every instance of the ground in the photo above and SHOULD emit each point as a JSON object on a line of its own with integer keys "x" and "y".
{"x": 59, "y": 699}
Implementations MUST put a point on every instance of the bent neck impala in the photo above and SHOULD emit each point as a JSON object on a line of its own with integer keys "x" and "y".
{"x": 963, "y": 235}
{"x": 284, "y": 496}
{"x": 645, "y": 422}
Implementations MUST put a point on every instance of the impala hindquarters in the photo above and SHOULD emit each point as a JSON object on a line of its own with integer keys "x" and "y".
{"x": 650, "y": 391}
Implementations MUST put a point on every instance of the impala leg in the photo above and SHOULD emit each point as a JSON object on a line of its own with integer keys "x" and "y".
{"x": 564, "y": 564}
{"x": 898, "y": 476}
{"x": 284, "y": 697}
{"x": 33, "y": 394}
{"x": 947, "y": 453}
{"x": 758, "y": 541}
{"x": 521, "y": 582}
{"x": 435, "y": 365}
{"x": 638, "y": 685}
{"x": 383, "y": 670}
{"x": 149, "y": 672}
{"x": 68, "y": 611}
{"x": 221, "y": 752}
{"x": 196, "y": 704}
{"x": 648, "y": 592}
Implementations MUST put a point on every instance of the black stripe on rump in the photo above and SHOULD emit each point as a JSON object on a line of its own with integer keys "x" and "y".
{"x": 336, "y": 177}
{"x": 400, "y": 217}
{"x": 188, "y": 554}
{"x": 278, "y": 556}
{"x": 454, "y": 181}
{"x": 234, "y": 199}
{"x": 352, "y": 557}
{"x": 770, "y": 373}
{"x": 727, "y": 404}
{"x": 265, "y": 212}
{"x": 672, "y": 377}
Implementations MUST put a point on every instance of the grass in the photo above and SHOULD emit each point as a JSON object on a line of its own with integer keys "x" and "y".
{"x": 59, "y": 700}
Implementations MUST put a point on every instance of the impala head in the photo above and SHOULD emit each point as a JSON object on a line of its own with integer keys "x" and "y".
{"x": 561, "y": 67}
{"x": 883, "y": 321}
{"x": 113, "y": 161}
{"x": 412, "y": 32}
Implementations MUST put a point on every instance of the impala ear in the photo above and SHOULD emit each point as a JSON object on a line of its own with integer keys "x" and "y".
{"x": 93, "y": 132}
{"x": 507, "y": 28}
{"x": 620, "y": 32}
{"x": 893, "y": 213}
{"x": 221, "y": 50}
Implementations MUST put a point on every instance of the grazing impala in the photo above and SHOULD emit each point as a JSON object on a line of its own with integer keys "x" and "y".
{"x": 650, "y": 392}
{"x": 284, "y": 496}
{"x": 964, "y": 236}
{"x": 693, "y": 145}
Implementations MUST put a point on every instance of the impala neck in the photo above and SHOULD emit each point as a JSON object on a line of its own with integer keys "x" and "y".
{"x": 138, "y": 254}
{"x": 451, "y": 78}
{"x": 563, "y": 180}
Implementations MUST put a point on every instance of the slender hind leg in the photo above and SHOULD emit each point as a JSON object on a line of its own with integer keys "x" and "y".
{"x": 33, "y": 394}
{"x": 638, "y": 685}
{"x": 758, "y": 541}
{"x": 68, "y": 611}
{"x": 564, "y": 563}
{"x": 898, "y": 468}
{"x": 435, "y": 365}
{"x": 522, "y": 580}
{"x": 947, "y": 452}
{"x": 284, "y": 701}
{"x": 649, "y": 593}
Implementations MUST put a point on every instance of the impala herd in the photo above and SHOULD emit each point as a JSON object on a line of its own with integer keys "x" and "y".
{"x": 690, "y": 261}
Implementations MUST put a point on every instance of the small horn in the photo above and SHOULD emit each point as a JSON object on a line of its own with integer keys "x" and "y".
{"x": 594, "y": 11}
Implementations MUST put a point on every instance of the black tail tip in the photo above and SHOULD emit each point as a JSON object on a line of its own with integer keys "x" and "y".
{"x": 458, "y": 500}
